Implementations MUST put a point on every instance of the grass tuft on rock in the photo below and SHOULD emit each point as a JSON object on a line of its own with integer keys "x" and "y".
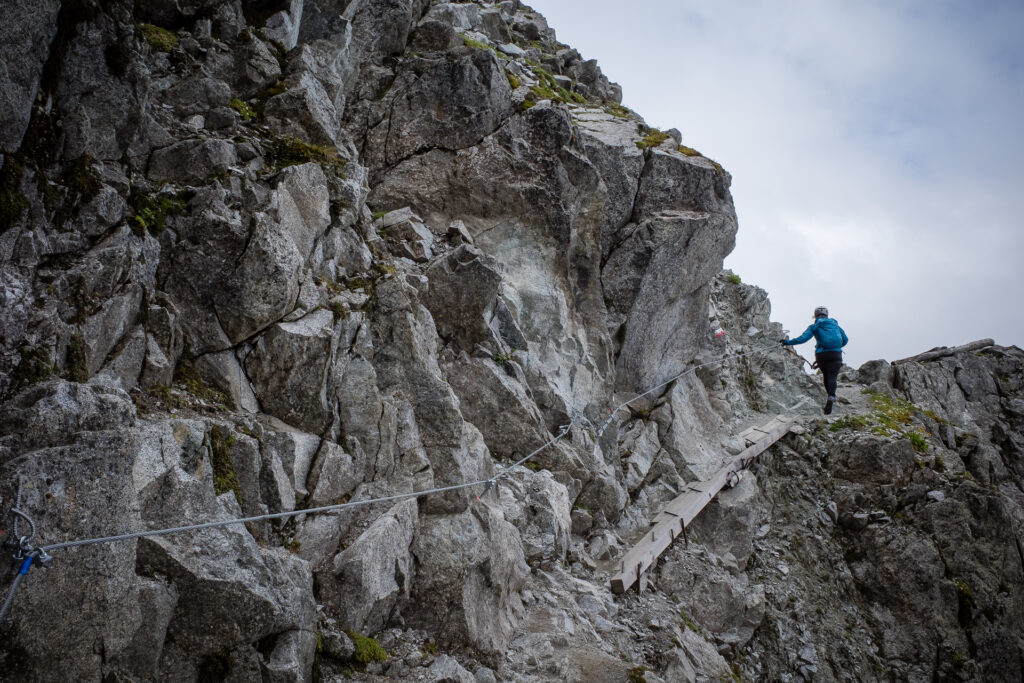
{"x": 616, "y": 110}
{"x": 187, "y": 375}
{"x": 653, "y": 138}
{"x": 292, "y": 152}
{"x": 691, "y": 152}
{"x": 890, "y": 416}
{"x": 244, "y": 109}
{"x": 480, "y": 45}
{"x": 548, "y": 89}
{"x": 152, "y": 212}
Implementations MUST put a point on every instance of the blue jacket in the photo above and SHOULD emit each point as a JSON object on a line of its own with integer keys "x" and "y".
{"x": 827, "y": 333}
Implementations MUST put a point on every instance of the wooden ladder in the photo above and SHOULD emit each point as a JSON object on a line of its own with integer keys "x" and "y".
{"x": 673, "y": 520}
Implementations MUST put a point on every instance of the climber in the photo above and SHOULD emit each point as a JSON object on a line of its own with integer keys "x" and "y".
{"x": 828, "y": 354}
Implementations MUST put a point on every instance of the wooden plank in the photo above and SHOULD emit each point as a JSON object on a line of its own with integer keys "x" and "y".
{"x": 685, "y": 507}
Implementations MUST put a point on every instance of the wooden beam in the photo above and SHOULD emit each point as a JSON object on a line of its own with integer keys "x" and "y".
{"x": 943, "y": 351}
{"x": 685, "y": 507}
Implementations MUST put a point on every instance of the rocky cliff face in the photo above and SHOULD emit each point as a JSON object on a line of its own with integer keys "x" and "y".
{"x": 274, "y": 256}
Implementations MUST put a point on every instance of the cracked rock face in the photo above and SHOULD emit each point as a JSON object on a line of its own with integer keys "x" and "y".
{"x": 272, "y": 257}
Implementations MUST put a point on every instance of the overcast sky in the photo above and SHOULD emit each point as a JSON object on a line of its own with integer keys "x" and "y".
{"x": 876, "y": 149}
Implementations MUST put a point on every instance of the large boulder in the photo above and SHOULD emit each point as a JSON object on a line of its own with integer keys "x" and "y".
{"x": 288, "y": 368}
{"x": 463, "y": 288}
{"x": 471, "y": 573}
{"x": 374, "y": 574}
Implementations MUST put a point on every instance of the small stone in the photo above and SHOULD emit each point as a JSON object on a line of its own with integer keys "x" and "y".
{"x": 783, "y": 569}
{"x": 879, "y": 517}
{"x": 512, "y": 50}
{"x": 833, "y": 511}
{"x": 937, "y": 496}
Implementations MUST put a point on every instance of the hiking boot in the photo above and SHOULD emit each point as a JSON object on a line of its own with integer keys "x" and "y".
{"x": 828, "y": 405}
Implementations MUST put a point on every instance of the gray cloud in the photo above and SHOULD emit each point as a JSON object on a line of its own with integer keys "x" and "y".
{"x": 876, "y": 150}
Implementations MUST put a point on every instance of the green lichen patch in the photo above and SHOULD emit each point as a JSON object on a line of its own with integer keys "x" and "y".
{"x": 367, "y": 649}
{"x": 292, "y": 152}
{"x": 224, "y": 476}
{"x": 653, "y": 138}
{"x": 965, "y": 599}
{"x": 244, "y": 109}
{"x": 854, "y": 422}
{"x": 160, "y": 39}
{"x": 266, "y": 94}
{"x": 891, "y": 414}
{"x": 513, "y": 80}
{"x": 690, "y": 623}
{"x": 338, "y": 310}
{"x": 12, "y": 202}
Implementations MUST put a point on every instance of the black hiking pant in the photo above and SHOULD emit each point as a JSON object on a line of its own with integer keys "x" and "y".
{"x": 829, "y": 363}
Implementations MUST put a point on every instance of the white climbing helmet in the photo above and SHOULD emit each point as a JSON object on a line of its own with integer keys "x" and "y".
{"x": 820, "y": 312}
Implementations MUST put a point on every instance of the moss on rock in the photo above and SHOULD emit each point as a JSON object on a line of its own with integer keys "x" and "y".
{"x": 367, "y": 649}
{"x": 224, "y": 476}
{"x": 160, "y": 39}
